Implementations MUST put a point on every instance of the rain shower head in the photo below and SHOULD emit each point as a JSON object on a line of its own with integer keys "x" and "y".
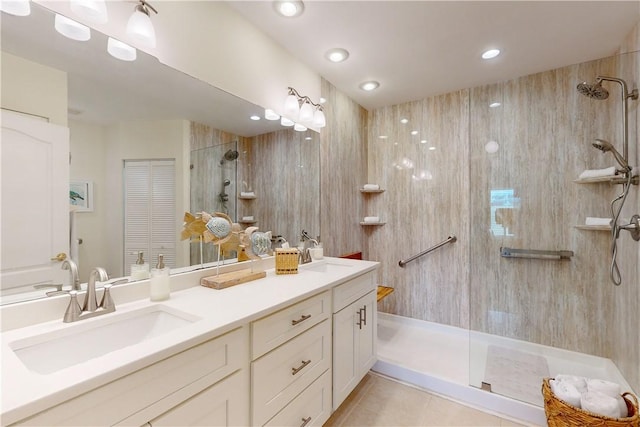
{"x": 605, "y": 146}
{"x": 231, "y": 155}
{"x": 593, "y": 90}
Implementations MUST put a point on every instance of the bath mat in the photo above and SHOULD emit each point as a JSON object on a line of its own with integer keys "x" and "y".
{"x": 516, "y": 374}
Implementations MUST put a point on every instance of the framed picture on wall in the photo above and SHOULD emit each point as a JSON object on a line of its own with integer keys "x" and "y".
{"x": 81, "y": 195}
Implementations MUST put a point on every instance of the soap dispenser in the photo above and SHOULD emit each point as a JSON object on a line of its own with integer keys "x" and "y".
{"x": 159, "y": 284}
{"x": 140, "y": 270}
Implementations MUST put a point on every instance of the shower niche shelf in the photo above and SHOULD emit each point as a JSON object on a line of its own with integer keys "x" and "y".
{"x": 241, "y": 197}
{"x": 247, "y": 222}
{"x": 372, "y": 223}
{"x": 362, "y": 190}
{"x": 607, "y": 180}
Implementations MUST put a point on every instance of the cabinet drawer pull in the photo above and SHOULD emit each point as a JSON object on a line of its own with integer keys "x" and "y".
{"x": 299, "y": 368}
{"x": 305, "y": 421}
{"x": 300, "y": 320}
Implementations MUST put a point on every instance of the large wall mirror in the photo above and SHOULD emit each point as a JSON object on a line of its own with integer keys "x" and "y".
{"x": 130, "y": 122}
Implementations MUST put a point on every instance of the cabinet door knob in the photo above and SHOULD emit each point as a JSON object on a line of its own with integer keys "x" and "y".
{"x": 299, "y": 368}
{"x": 305, "y": 421}
{"x": 301, "y": 319}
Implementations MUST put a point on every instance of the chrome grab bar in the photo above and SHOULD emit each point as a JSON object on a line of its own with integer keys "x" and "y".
{"x": 450, "y": 239}
{"x": 535, "y": 254}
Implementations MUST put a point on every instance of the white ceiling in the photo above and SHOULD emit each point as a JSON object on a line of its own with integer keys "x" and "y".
{"x": 417, "y": 49}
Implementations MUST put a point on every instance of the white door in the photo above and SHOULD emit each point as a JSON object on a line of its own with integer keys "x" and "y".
{"x": 35, "y": 202}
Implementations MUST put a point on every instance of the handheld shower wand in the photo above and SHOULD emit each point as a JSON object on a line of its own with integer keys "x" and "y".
{"x": 605, "y": 146}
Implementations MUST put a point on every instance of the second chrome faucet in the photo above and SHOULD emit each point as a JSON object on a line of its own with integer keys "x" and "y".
{"x": 90, "y": 307}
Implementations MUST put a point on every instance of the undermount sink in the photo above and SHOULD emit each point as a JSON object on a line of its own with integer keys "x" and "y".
{"x": 326, "y": 266}
{"x": 52, "y": 351}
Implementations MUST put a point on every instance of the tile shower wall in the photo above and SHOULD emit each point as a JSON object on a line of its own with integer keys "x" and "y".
{"x": 522, "y": 196}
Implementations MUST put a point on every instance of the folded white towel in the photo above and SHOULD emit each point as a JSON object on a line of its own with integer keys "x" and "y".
{"x": 595, "y": 173}
{"x": 371, "y": 219}
{"x": 580, "y": 383}
{"x": 610, "y": 389}
{"x": 597, "y": 221}
{"x": 566, "y": 391}
{"x": 371, "y": 187}
{"x": 247, "y": 194}
{"x": 601, "y": 404}
{"x": 247, "y": 218}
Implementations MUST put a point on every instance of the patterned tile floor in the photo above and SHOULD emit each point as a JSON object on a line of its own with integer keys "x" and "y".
{"x": 378, "y": 401}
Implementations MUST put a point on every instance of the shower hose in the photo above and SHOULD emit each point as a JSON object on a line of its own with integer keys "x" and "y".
{"x": 614, "y": 271}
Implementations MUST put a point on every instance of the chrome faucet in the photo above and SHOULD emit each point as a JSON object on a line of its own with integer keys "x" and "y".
{"x": 69, "y": 264}
{"x": 305, "y": 255}
{"x": 90, "y": 308}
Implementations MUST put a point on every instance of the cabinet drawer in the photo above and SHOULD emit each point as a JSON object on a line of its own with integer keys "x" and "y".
{"x": 310, "y": 409}
{"x": 352, "y": 290}
{"x": 285, "y": 372}
{"x": 113, "y": 402}
{"x": 271, "y": 331}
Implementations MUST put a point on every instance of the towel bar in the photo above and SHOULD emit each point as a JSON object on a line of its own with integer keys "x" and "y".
{"x": 535, "y": 254}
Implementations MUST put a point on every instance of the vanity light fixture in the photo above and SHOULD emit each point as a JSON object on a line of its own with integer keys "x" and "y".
{"x": 16, "y": 7}
{"x": 303, "y": 109}
{"x": 369, "y": 86}
{"x": 92, "y": 10}
{"x": 337, "y": 54}
{"x": 269, "y": 114}
{"x": 299, "y": 127}
{"x": 289, "y": 9}
{"x": 71, "y": 29}
{"x": 286, "y": 122}
{"x": 494, "y": 105}
{"x": 490, "y": 54}
{"x": 120, "y": 50}
{"x": 139, "y": 26}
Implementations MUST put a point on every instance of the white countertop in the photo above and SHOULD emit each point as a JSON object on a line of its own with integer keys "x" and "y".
{"x": 25, "y": 392}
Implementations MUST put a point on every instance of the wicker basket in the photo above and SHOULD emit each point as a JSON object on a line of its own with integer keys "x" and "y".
{"x": 561, "y": 414}
{"x": 287, "y": 261}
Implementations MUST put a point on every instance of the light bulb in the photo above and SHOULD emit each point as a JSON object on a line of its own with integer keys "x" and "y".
{"x": 71, "y": 29}
{"x": 16, "y": 7}
{"x": 319, "y": 119}
{"x": 140, "y": 28}
{"x": 120, "y": 50}
{"x": 92, "y": 10}
{"x": 291, "y": 107}
{"x": 306, "y": 112}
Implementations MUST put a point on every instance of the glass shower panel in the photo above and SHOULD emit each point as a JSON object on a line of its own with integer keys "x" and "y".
{"x": 213, "y": 189}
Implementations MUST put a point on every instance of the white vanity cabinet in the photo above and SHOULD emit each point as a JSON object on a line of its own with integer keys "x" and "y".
{"x": 166, "y": 388}
{"x": 354, "y": 334}
{"x": 290, "y": 371}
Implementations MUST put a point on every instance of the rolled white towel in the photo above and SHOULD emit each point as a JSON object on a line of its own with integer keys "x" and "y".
{"x": 597, "y": 221}
{"x": 580, "y": 383}
{"x": 247, "y": 194}
{"x": 566, "y": 391}
{"x": 601, "y": 404}
{"x": 595, "y": 173}
{"x": 371, "y": 187}
{"x": 371, "y": 219}
{"x": 610, "y": 389}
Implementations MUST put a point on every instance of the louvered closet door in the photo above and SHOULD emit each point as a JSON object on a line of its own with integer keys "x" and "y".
{"x": 149, "y": 206}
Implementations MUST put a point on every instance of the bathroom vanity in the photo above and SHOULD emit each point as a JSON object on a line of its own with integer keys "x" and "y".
{"x": 283, "y": 350}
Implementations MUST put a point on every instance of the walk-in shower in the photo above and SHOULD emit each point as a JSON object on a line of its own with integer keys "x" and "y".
{"x": 598, "y": 92}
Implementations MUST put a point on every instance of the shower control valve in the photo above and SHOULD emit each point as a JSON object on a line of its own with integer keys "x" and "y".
{"x": 633, "y": 227}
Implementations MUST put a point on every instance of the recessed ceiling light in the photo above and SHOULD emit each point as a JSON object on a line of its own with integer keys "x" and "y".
{"x": 369, "y": 86}
{"x": 336, "y": 55}
{"x": 383, "y": 137}
{"x": 432, "y": 148}
{"x": 404, "y": 121}
{"x": 491, "y": 147}
{"x": 289, "y": 9}
{"x": 423, "y": 141}
{"x": 494, "y": 104}
{"x": 491, "y": 53}
{"x": 254, "y": 117}
{"x": 308, "y": 138}
{"x": 414, "y": 132}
